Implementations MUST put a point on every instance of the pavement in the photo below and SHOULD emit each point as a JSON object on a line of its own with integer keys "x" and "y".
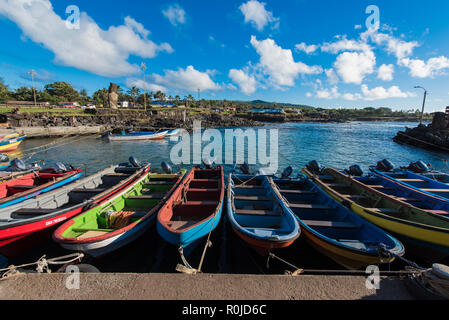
{"x": 133, "y": 286}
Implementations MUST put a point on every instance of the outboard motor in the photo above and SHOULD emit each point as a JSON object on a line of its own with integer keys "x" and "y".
{"x": 207, "y": 163}
{"x": 314, "y": 166}
{"x": 245, "y": 168}
{"x": 134, "y": 162}
{"x": 418, "y": 167}
{"x": 355, "y": 171}
{"x": 385, "y": 165}
{"x": 18, "y": 165}
{"x": 287, "y": 172}
{"x": 166, "y": 167}
{"x": 59, "y": 167}
{"x": 4, "y": 158}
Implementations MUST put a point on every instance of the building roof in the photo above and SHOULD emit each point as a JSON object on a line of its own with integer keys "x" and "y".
{"x": 159, "y": 103}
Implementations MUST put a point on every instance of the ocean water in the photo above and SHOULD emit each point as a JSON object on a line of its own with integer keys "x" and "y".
{"x": 337, "y": 145}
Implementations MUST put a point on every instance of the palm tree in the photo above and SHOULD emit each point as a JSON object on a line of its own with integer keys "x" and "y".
{"x": 134, "y": 92}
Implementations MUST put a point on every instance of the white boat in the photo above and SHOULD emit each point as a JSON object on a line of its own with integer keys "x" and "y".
{"x": 173, "y": 132}
{"x": 135, "y": 136}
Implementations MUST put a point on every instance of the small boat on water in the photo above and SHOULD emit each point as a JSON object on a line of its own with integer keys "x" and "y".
{"x": 4, "y": 161}
{"x": 119, "y": 220}
{"x": 194, "y": 209}
{"x": 414, "y": 226}
{"x": 10, "y": 136}
{"x": 258, "y": 215}
{"x": 332, "y": 228}
{"x": 11, "y": 144}
{"x": 415, "y": 181}
{"x": 27, "y": 223}
{"x": 27, "y": 185}
{"x": 137, "y": 136}
{"x": 173, "y": 132}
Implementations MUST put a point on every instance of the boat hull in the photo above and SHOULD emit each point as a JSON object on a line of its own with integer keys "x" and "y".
{"x": 11, "y": 144}
{"x": 142, "y": 137}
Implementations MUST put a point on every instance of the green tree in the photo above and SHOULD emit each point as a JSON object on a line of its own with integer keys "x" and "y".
{"x": 4, "y": 91}
{"x": 63, "y": 91}
{"x": 24, "y": 94}
{"x": 134, "y": 92}
{"x": 101, "y": 97}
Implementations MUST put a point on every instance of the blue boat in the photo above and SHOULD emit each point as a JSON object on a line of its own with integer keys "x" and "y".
{"x": 417, "y": 182}
{"x": 332, "y": 228}
{"x": 398, "y": 191}
{"x": 173, "y": 132}
{"x": 193, "y": 210}
{"x": 258, "y": 216}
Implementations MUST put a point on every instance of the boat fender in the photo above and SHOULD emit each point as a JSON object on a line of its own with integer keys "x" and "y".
{"x": 385, "y": 165}
{"x": 287, "y": 172}
{"x": 314, "y": 166}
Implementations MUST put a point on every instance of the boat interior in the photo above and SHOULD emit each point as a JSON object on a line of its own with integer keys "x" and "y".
{"x": 196, "y": 201}
{"x": 255, "y": 207}
{"x": 322, "y": 214}
{"x": 124, "y": 210}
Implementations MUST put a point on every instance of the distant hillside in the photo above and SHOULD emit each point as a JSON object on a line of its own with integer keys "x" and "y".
{"x": 261, "y": 103}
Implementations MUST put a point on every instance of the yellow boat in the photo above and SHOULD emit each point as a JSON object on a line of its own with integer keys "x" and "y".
{"x": 9, "y": 136}
{"x": 11, "y": 144}
{"x": 414, "y": 226}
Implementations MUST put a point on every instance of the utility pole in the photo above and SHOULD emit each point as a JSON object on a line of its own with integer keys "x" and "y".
{"x": 423, "y": 102}
{"x": 199, "y": 94}
{"x": 32, "y": 73}
{"x": 144, "y": 67}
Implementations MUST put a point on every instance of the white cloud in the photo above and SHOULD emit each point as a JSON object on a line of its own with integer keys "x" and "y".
{"x": 175, "y": 14}
{"x": 246, "y": 83}
{"x": 331, "y": 76}
{"x": 188, "y": 79}
{"x": 399, "y": 48}
{"x": 358, "y": 26}
{"x": 344, "y": 45}
{"x": 92, "y": 49}
{"x": 385, "y": 72}
{"x": 328, "y": 94}
{"x": 309, "y": 94}
{"x": 255, "y": 13}
{"x": 424, "y": 69}
{"x": 382, "y": 93}
{"x": 278, "y": 63}
{"x": 306, "y": 48}
{"x": 352, "y": 67}
{"x": 138, "y": 83}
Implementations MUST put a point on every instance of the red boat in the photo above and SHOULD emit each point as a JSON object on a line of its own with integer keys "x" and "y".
{"x": 28, "y": 223}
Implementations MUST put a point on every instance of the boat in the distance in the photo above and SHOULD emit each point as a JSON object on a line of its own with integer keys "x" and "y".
{"x": 258, "y": 216}
{"x": 137, "y": 136}
{"x": 194, "y": 209}
{"x": 332, "y": 228}
{"x": 426, "y": 232}
{"x": 11, "y": 144}
{"x": 173, "y": 132}
{"x": 27, "y": 223}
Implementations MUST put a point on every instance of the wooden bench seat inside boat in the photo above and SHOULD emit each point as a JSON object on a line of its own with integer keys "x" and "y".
{"x": 203, "y": 184}
{"x": 158, "y": 183}
{"x": 151, "y": 196}
{"x": 91, "y": 234}
{"x": 375, "y": 186}
{"x": 22, "y": 187}
{"x": 251, "y": 198}
{"x": 308, "y": 206}
{"x": 436, "y": 190}
{"x": 355, "y": 196}
{"x": 248, "y": 187}
{"x": 305, "y": 192}
{"x": 407, "y": 199}
{"x": 201, "y": 203}
{"x": 81, "y": 190}
{"x": 256, "y": 212}
{"x": 33, "y": 211}
{"x": 125, "y": 175}
{"x": 384, "y": 210}
{"x": 411, "y": 180}
{"x": 182, "y": 224}
{"x": 338, "y": 185}
{"x": 441, "y": 212}
{"x": 330, "y": 224}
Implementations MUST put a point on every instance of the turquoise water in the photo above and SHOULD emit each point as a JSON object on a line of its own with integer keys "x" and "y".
{"x": 337, "y": 145}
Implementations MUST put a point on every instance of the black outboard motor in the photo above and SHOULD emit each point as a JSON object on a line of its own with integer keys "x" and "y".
{"x": 59, "y": 167}
{"x": 355, "y": 171}
{"x": 287, "y": 172}
{"x": 207, "y": 163}
{"x": 244, "y": 167}
{"x": 166, "y": 167}
{"x": 385, "y": 165}
{"x": 418, "y": 167}
{"x": 4, "y": 158}
{"x": 18, "y": 165}
{"x": 134, "y": 162}
{"x": 314, "y": 166}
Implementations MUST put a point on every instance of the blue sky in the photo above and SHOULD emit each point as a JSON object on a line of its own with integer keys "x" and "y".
{"x": 319, "y": 53}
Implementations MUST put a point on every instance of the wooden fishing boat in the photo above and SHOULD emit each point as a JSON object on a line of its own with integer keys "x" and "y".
{"x": 258, "y": 216}
{"x": 332, "y": 228}
{"x": 137, "y": 136}
{"x": 119, "y": 220}
{"x": 27, "y": 223}
{"x": 413, "y": 197}
{"x": 412, "y": 225}
{"x": 12, "y": 144}
{"x": 10, "y": 136}
{"x": 194, "y": 209}
{"x": 173, "y": 132}
{"x": 417, "y": 182}
{"x": 28, "y": 185}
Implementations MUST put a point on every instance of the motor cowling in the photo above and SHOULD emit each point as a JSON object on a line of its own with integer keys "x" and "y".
{"x": 166, "y": 167}
{"x": 244, "y": 168}
{"x": 355, "y": 170}
{"x": 418, "y": 167}
{"x": 314, "y": 166}
{"x": 134, "y": 162}
{"x": 4, "y": 158}
{"x": 18, "y": 165}
{"x": 59, "y": 167}
{"x": 385, "y": 165}
{"x": 287, "y": 172}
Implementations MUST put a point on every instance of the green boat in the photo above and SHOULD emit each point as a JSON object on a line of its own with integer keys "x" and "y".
{"x": 120, "y": 220}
